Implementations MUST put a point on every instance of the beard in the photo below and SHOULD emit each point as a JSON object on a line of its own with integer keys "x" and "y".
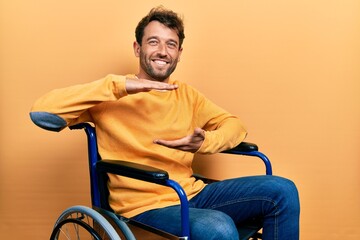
{"x": 157, "y": 74}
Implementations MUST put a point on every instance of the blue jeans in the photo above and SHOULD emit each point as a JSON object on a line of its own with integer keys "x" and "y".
{"x": 221, "y": 206}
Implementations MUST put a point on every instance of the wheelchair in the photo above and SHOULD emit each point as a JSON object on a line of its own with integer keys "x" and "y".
{"x": 100, "y": 222}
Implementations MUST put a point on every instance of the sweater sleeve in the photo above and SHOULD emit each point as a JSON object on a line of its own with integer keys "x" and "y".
{"x": 67, "y": 106}
{"x": 222, "y": 129}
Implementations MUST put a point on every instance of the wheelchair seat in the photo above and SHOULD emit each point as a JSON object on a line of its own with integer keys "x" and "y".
{"x": 105, "y": 224}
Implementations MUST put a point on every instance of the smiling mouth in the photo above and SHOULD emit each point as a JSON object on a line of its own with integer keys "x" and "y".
{"x": 160, "y": 62}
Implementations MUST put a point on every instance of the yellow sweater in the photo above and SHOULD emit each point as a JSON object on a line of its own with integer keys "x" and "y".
{"x": 126, "y": 126}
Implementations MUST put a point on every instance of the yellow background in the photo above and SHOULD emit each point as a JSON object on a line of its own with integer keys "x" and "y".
{"x": 289, "y": 69}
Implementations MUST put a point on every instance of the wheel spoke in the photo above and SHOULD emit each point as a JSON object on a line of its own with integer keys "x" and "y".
{"x": 80, "y": 222}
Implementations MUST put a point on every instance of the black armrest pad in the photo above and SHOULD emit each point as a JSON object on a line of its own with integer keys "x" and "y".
{"x": 79, "y": 126}
{"x": 133, "y": 170}
{"x": 243, "y": 147}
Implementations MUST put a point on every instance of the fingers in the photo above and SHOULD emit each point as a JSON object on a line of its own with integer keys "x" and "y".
{"x": 179, "y": 144}
{"x": 171, "y": 143}
{"x": 190, "y": 143}
{"x": 143, "y": 85}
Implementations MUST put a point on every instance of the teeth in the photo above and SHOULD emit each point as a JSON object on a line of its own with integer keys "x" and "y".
{"x": 159, "y": 62}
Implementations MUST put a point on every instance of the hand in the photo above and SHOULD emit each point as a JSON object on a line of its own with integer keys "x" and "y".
{"x": 190, "y": 143}
{"x": 143, "y": 85}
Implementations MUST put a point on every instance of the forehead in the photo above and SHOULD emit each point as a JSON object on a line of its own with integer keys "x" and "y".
{"x": 159, "y": 30}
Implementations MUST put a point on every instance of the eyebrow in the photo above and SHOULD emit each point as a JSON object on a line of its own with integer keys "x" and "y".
{"x": 152, "y": 37}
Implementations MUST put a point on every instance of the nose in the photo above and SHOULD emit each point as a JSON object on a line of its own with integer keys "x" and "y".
{"x": 162, "y": 50}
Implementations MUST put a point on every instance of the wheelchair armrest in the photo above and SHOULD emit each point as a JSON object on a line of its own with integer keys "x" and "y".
{"x": 251, "y": 149}
{"x": 243, "y": 147}
{"x": 133, "y": 170}
{"x": 79, "y": 126}
{"x": 149, "y": 174}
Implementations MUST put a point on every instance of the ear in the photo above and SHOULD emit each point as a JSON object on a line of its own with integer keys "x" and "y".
{"x": 136, "y": 47}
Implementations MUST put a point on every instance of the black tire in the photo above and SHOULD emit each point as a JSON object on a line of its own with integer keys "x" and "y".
{"x": 80, "y": 222}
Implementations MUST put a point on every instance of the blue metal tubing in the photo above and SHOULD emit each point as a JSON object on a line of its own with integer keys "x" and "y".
{"x": 185, "y": 226}
{"x": 93, "y": 156}
{"x": 260, "y": 155}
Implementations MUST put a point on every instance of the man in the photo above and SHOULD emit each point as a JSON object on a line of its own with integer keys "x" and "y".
{"x": 152, "y": 119}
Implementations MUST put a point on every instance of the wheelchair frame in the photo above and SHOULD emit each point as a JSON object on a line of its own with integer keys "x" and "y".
{"x": 98, "y": 177}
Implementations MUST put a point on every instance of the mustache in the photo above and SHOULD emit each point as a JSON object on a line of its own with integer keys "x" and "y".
{"x": 163, "y": 57}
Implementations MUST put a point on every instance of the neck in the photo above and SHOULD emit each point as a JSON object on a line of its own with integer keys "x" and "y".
{"x": 147, "y": 77}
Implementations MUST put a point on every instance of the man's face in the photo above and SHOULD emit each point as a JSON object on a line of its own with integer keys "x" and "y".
{"x": 159, "y": 52}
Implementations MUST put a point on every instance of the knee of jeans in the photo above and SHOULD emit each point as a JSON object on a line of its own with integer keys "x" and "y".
{"x": 287, "y": 193}
{"x": 216, "y": 225}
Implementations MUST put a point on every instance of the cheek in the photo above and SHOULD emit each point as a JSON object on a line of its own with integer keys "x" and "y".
{"x": 176, "y": 58}
{"x": 175, "y": 54}
{"x": 146, "y": 52}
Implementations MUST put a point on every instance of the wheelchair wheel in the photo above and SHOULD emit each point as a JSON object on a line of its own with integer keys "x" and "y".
{"x": 80, "y": 222}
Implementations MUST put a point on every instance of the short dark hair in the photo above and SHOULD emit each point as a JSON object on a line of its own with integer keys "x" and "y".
{"x": 164, "y": 16}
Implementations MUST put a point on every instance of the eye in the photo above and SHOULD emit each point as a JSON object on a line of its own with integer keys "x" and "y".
{"x": 172, "y": 45}
{"x": 153, "y": 42}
